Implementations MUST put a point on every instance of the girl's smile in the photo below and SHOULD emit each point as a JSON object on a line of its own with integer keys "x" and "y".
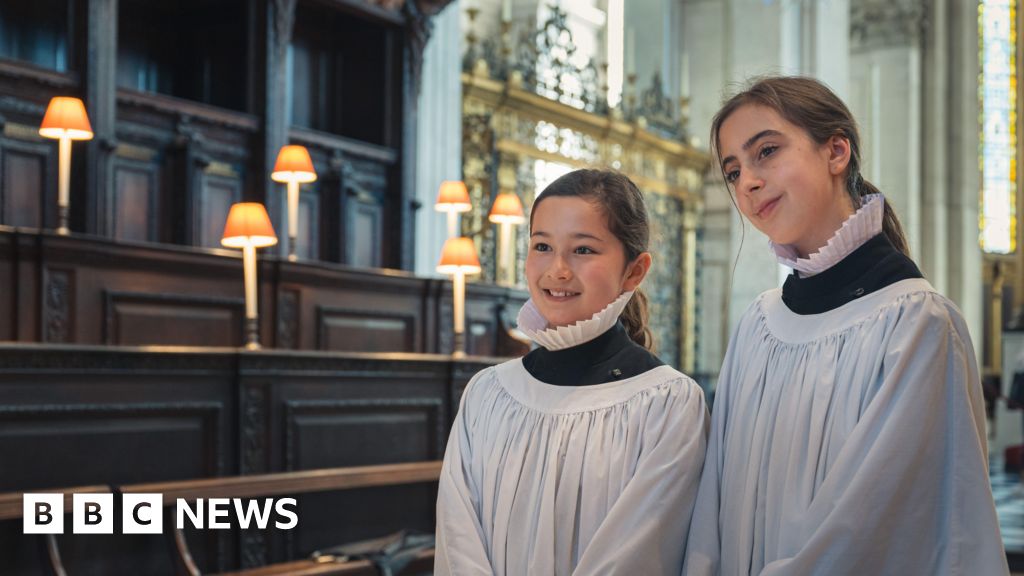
{"x": 765, "y": 209}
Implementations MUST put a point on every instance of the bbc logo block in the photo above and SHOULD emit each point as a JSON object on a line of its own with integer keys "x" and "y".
{"x": 142, "y": 513}
{"x": 94, "y": 513}
{"x": 43, "y": 513}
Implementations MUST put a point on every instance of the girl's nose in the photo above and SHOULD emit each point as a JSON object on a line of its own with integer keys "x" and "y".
{"x": 749, "y": 182}
{"x": 559, "y": 269}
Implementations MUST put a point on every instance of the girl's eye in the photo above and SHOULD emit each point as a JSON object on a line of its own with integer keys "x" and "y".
{"x": 767, "y": 151}
{"x": 541, "y": 247}
{"x": 731, "y": 176}
{"x": 584, "y": 250}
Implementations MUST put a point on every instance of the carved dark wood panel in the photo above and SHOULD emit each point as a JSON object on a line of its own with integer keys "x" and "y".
{"x": 367, "y": 222}
{"x": 362, "y": 431}
{"x": 22, "y": 189}
{"x": 309, "y": 226}
{"x": 366, "y": 187}
{"x": 8, "y": 298}
{"x": 365, "y": 330}
{"x": 139, "y": 319}
{"x": 79, "y": 415}
{"x": 217, "y": 195}
{"x": 109, "y": 443}
{"x": 133, "y": 207}
{"x": 480, "y": 336}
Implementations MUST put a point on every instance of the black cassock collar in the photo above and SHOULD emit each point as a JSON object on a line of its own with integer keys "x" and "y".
{"x": 609, "y": 357}
{"x": 873, "y": 266}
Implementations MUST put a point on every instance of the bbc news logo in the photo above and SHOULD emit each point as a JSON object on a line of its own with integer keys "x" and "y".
{"x": 144, "y": 513}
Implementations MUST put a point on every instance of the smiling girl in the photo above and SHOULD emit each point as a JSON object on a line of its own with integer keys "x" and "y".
{"x": 582, "y": 457}
{"x": 848, "y": 432}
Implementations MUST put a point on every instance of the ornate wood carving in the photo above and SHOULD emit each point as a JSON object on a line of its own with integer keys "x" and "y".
{"x": 254, "y": 549}
{"x": 254, "y": 430}
{"x": 288, "y": 319}
{"x": 57, "y": 298}
{"x": 254, "y": 461}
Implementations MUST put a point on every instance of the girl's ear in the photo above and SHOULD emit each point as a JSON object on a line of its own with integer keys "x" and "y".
{"x": 838, "y": 155}
{"x": 636, "y": 271}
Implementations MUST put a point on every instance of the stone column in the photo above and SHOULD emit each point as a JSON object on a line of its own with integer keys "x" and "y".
{"x": 959, "y": 121}
{"x": 815, "y": 41}
{"x": 886, "y": 44}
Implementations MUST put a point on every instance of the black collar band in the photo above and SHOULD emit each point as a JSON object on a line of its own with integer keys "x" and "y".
{"x": 873, "y": 266}
{"x": 609, "y": 357}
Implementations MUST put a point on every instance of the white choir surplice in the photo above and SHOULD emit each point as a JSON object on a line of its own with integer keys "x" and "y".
{"x": 848, "y": 442}
{"x": 546, "y": 479}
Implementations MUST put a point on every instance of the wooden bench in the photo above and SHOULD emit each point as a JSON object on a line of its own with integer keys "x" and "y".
{"x": 288, "y": 484}
{"x": 12, "y": 507}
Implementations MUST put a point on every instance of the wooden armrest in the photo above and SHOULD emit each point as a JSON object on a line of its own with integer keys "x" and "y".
{"x": 257, "y": 485}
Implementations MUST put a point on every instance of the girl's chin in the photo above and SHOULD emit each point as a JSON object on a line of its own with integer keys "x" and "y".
{"x": 558, "y": 320}
{"x": 561, "y": 322}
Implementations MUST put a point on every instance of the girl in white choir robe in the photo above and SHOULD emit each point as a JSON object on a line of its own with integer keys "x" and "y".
{"x": 848, "y": 433}
{"x": 582, "y": 457}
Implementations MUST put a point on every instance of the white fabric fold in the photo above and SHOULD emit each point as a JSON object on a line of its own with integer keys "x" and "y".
{"x": 861, "y": 226}
{"x": 535, "y": 326}
{"x": 545, "y": 479}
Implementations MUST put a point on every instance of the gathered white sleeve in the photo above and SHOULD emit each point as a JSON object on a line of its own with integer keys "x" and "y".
{"x": 644, "y": 531}
{"x": 908, "y": 492}
{"x": 459, "y": 544}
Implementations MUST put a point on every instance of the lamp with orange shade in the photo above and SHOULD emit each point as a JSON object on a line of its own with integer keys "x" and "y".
{"x": 506, "y": 212}
{"x": 453, "y": 197}
{"x": 65, "y": 120}
{"x": 248, "y": 227}
{"x": 294, "y": 167}
{"x": 458, "y": 258}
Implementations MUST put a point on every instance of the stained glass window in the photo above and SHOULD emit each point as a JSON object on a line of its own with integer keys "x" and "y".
{"x": 998, "y": 93}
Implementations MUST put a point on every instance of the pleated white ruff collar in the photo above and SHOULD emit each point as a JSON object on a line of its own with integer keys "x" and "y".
{"x": 535, "y": 326}
{"x": 861, "y": 226}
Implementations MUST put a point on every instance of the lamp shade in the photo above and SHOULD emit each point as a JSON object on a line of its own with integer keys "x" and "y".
{"x": 459, "y": 255}
{"x": 293, "y": 165}
{"x": 66, "y": 118}
{"x": 248, "y": 224}
{"x": 507, "y": 209}
{"x": 453, "y": 197}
